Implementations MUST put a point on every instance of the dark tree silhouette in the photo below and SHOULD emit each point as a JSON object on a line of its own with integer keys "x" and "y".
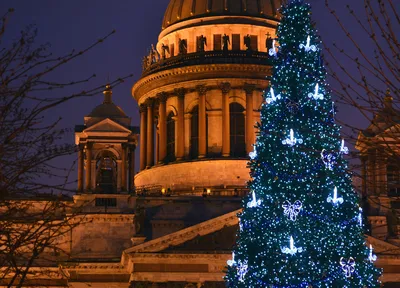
{"x": 32, "y": 208}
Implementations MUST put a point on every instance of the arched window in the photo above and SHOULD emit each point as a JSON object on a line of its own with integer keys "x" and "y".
{"x": 393, "y": 176}
{"x": 170, "y": 138}
{"x": 194, "y": 135}
{"x": 106, "y": 178}
{"x": 237, "y": 130}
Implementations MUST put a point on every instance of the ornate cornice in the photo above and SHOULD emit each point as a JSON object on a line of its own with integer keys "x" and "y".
{"x": 114, "y": 267}
{"x": 197, "y": 256}
{"x": 162, "y": 79}
{"x": 102, "y": 218}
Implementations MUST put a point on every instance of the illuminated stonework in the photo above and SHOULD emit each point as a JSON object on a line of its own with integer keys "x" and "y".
{"x": 201, "y": 91}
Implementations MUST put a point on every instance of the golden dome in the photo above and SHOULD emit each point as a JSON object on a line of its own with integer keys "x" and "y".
{"x": 179, "y": 10}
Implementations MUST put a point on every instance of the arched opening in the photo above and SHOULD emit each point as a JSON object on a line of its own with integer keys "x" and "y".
{"x": 106, "y": 178}
{"x": 237, "y": 130}
{"x": 194, "y": 135}
{"x": 393, "y": 176}
{"x": 170, "y": 138}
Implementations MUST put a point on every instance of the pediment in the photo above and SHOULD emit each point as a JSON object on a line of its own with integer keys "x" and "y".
{"x": 187, "y": 234}
{"x": 106, "y": 126}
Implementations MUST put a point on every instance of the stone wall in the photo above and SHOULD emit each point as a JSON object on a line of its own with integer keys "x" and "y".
{"x": 191, "y": 175}
{"x": 101, "y": 236}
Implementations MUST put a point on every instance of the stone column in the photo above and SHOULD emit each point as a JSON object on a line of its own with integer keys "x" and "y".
{"x": 157, "y": 148}
{"x": 119, "y": 180}
{"x": 132, "y": 149}
{"x": 381, "y": 166}
{"x": 88, "y": 167}
{"x": 80, "y": 168}
{"x": 123, "y": 168}
{"x": 371, "y": 172}
{"x": 150, "y": 134}
{"x": 143, "y": 136}
{"x": 363, "y": 176}
{"x": 249, "y": 89}
{"x": 94, "y": 174}
{"x": 202, "y": 91}
{"x": 181, "y": 124}
{"x": 162, "y": 126}
{"x": 225, "y": 88}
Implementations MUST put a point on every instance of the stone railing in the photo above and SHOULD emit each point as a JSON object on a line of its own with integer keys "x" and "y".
{"x": 209, "y": 57}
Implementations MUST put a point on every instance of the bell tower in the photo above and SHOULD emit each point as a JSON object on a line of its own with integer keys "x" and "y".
{"x": 106, "y": 156}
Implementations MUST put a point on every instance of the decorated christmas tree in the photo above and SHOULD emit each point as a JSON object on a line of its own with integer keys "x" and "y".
{"x": 301, "y": 224}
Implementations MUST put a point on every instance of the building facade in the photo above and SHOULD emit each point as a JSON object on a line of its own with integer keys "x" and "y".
{"x": 173, "y": 224}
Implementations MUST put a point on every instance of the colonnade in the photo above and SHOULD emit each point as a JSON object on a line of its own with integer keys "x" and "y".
{"x": 147, "y": 123}
{"x": 374, "y": 171}
{"x": 125, "y": 167}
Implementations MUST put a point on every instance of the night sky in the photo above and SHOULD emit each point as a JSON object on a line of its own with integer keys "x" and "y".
{"x": 75, "y": 24}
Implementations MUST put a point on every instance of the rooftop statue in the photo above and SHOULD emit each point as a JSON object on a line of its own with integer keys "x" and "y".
{"x": 201, "y": 42}
{"x": 225, "y": 43}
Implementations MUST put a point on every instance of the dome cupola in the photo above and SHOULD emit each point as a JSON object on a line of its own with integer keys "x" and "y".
{"x": 180, "y": 10}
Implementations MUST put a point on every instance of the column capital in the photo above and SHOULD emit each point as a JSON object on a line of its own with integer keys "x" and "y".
{"x": 142, "y": 108}
{"x": 201, "y": 89}
{"x": 89, "y": 145}
{"x": 162, "y": 97}
{"x": 249, "y": 88}
{"x": 149, "y": 102}
{"x": 225, "y": 87}
{"x": 180, "y": 92}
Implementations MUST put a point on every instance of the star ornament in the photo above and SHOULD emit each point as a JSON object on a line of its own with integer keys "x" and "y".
{"x": 253, "y": 154}
{"x": 348, "y": 266}
{"x": 273, "y": 98}
{"x": 291, "y": 141}
{"x": 329, "y": 159}
{"x": 291, "y": 249}
{"x": 242, "y": 269}
{"x": 308, "y": 47}
{"x": 359, "y": 217}
{"x": 344, "y": 149}
{"x": 371, "y": 257}
{"x": 254, "y": 202}
{"x": 272, "y": 51}
{"x": 335, "y": 200}
{"x": 292, "y": 210}
{"x": 316, "y": 95}
{"x": 231, "y": 262}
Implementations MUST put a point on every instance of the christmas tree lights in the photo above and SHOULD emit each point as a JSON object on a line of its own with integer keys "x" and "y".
{"x": 302, "y": 225}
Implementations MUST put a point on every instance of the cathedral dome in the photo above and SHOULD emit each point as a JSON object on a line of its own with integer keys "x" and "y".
{"x": 179, "y": 10}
